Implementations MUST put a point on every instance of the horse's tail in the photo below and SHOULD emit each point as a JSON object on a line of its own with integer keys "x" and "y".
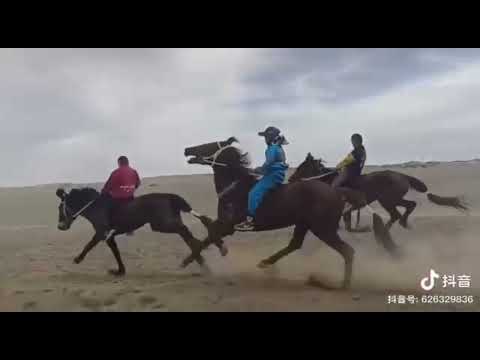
{"x": 454, "y": 201}
{"x": 416, "y": 184}
{"x": 180, "y": 204}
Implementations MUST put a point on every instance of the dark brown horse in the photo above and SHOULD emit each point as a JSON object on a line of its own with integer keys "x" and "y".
{"x": 308, "y": 206}
{"x": 387, "y": 187}
{"x": 161, "y": 211}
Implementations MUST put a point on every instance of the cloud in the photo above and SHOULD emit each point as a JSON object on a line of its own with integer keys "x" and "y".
{"x": 67, "y": 114}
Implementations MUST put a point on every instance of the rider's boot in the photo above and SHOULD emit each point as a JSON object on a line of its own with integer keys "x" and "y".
{"x": 247, "y": 225}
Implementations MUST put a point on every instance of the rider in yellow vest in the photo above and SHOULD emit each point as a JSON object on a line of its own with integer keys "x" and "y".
{"x": 351, "y": 167}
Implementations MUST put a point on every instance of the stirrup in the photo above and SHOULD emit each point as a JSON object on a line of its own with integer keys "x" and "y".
{"x": 245, "y": 226}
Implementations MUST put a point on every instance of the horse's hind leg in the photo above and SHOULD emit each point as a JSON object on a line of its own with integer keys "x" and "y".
{"x": 347, "y": 219}
{"x": 295, "y": 243}
{"x": 392, "y": 210}
{"x": 410, "y": 206}
{"x": 335, "y": 242}
{"x": 180, "y": 229}
{"x": 193, "y": 243}
{"x": 113, "y": 246}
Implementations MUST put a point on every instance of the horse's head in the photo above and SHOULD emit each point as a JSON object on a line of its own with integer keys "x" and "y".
{"x": 71, "y": 204}
{"x": 308, "y": 168}
{"x": 217, "y": 154}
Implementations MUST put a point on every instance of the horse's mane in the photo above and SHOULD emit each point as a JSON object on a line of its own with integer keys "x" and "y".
{"x": 79, "y": 197}
{"x": 85, "y": 191}
{"x": 240, "y": 160}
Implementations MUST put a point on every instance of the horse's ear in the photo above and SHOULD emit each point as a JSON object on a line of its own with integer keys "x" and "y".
{"x": 61, "y": 193}
{"x": 309, "y": 157}
{"x": 231, "y": 140}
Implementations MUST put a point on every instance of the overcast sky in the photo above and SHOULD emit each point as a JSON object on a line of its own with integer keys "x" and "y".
{"x": 67, "y": 114}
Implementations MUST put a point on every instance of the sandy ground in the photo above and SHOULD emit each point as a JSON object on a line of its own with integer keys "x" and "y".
{"x": 37, "y": 272}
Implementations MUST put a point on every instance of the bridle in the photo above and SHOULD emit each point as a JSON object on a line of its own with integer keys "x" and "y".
{"x": 66, "y": 209}
{"x": 212, "y": 159}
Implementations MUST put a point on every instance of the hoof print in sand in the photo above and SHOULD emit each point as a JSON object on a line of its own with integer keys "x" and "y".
{"x": 109, "y": 302}
{"x": 147, "y": 299}
{"x": 91, "y": 304}
{"x": 29, "y": 305}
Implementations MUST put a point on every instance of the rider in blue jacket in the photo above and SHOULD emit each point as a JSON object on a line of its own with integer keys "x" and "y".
{"x": 273, "y": 171}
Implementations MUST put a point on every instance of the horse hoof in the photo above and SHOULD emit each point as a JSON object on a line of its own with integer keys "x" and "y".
{"x": 318, "y": 283}
{"x": 345, "y": 286}
{"x": 405, "y": 225}
{"x": 263, "y": 264}
{"x": 361, "y": 229}
{"x": 397, "y": 254}
{"x": 77, "y": 260}
{"x": 116, "y": 272}
{"x": 223, "y": 250}
{"x": 206, "y": 270}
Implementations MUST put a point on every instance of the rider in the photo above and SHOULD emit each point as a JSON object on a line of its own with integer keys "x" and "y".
{"x": 121, "y": 185}
{"x": 273, "y": 171}
{"x": 351, "y": 167}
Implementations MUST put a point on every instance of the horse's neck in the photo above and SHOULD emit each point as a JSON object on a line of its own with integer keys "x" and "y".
{"x": 91, "y": 213}
{"x": 223, "y": 179}
{"x": 323, "y": 170}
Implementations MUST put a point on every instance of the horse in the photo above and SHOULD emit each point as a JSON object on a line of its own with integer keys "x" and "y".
{"x": 387, "y": 187}
{"x": 161, "y": 211}
{"x": 308, "y": 206}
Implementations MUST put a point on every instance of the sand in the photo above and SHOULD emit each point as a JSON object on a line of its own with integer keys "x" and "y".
{"x": 37, "y": 271}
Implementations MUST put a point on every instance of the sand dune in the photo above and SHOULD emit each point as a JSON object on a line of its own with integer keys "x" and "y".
{"x": 37, "y": 272}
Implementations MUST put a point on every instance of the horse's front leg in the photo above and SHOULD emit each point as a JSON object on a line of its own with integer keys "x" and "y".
{"x": 99, "y": 236}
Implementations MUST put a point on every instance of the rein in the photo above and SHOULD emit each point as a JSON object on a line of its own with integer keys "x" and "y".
{"x": 228, "y": 189}
{"x": 79, "y": 212}
{"x": 320, "y": 167}
{"x": 319, "y": 176}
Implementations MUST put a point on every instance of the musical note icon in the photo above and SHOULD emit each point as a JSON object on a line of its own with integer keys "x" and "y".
{"x": 428, "y": 283}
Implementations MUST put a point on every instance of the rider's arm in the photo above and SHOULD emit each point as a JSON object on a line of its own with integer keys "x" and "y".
{"x": 345, "y": 162}
{"x": 108, "y": 185}
{"x": 359, "y": 155}
{"x": 271, "y": 155}
{"x": 138, "y": 183}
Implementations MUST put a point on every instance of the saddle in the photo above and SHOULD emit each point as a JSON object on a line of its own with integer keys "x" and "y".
{"x": 236, "y": 210}
{"x": 114, "y": 209}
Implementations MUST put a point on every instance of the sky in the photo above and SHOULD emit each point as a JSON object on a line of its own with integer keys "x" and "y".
{"x": 67, "y": 114}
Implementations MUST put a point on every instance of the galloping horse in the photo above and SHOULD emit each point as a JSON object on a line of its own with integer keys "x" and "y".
{"x": 387, "y": 187}
{"x": 308, "y": 206}
{"x": 161, "y": 211}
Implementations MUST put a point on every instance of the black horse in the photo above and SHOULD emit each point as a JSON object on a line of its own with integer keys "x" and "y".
{"x": 161, "y": 211}
{"x": 309, "y": 206}
{"x": 387, "y": 187}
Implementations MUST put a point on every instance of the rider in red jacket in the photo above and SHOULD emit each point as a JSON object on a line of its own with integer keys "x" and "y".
{"x": 123, "y": 181}
{"x": 121, "y": 185}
